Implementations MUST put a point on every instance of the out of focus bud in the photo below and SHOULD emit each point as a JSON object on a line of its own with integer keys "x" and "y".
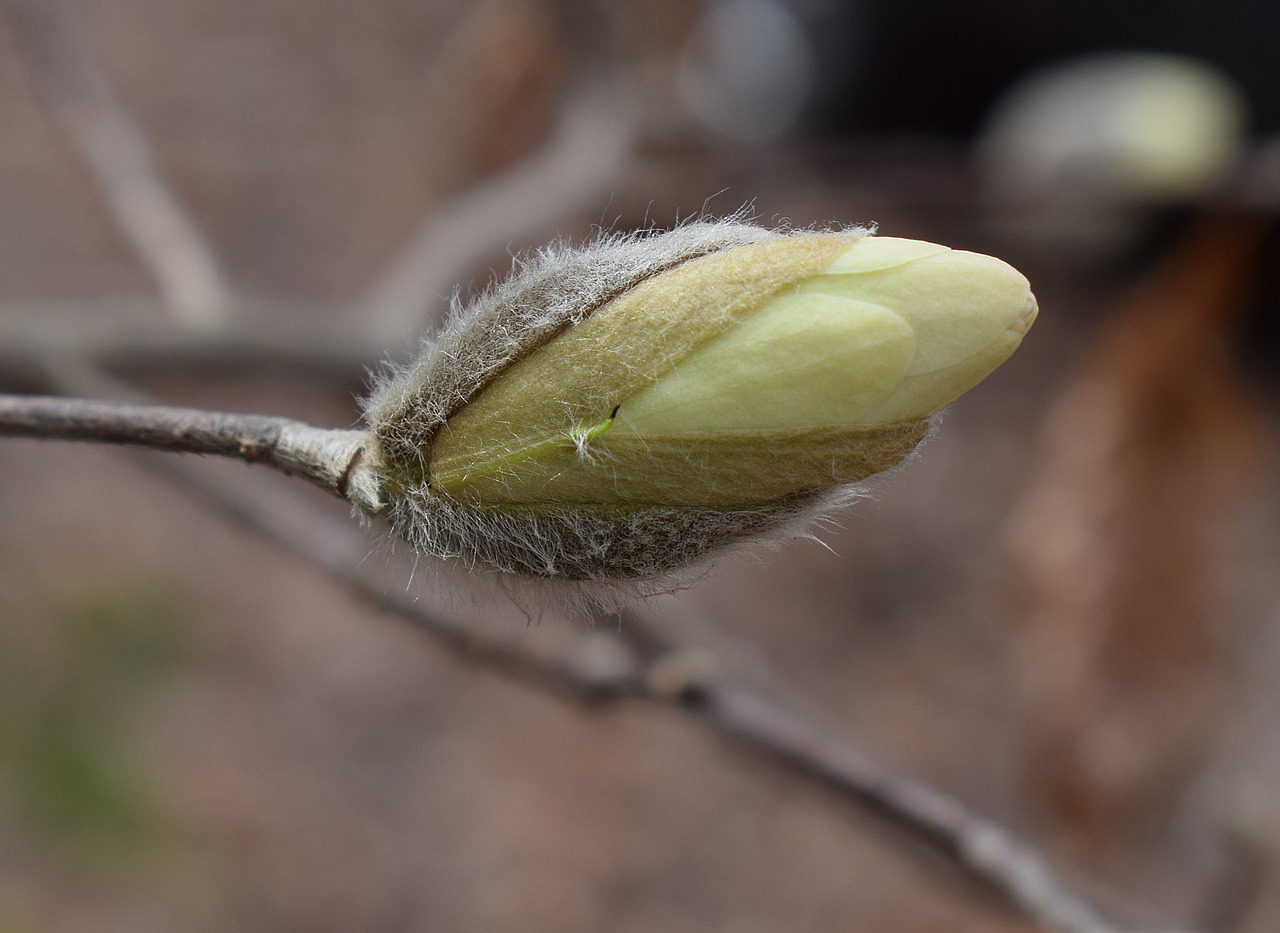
{"x": 710, "y": 398}
{"x": 1122, "y": 125}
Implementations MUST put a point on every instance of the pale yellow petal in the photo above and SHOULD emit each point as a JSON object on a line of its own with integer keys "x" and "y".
{"x": 801, "y": 361}
{"x": 968, "y": 313}
{"x": 876, "y": 253}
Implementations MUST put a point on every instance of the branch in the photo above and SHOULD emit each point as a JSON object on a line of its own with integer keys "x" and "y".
{"x": 643, "y": 663}
{"x": 115, "y": 149}
{"x": 324, "y": 456}
{"x": 586, "y": 154}
{"x": 982, "y": 849}
{"x": 339, "y": 549}
{"x": 164, "y": 345}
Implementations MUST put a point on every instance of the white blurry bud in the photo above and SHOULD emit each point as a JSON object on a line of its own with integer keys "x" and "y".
{"x": 618, "y": 412}
{"x": 1128, "y": 125}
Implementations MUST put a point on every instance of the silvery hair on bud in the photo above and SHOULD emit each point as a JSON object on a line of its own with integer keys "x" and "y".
{"x": 602, "y": 555}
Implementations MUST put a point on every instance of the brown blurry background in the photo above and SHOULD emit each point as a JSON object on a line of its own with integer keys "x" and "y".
{"x": 1065, "y": 613}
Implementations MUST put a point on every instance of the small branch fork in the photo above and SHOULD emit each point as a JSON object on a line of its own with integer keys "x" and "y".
{"x": 323, "y": 456}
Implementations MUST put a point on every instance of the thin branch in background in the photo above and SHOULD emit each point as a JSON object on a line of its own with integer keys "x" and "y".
{"x": 586, "y": 155}
{"x": 115, "y": 148}
{"x": 1236, "y": 888}
{"x": 331, "y": 357}
{"x": 982, "y": 849}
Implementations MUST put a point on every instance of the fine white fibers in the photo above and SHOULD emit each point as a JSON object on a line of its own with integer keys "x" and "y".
{"x": 584, "y": 561}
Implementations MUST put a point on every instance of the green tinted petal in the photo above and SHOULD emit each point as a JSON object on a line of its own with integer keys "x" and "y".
{"x": 877, "y": 253}
{"x": 802, "y": 361}
{"x": 739, "y": 378}
{"x": 968, "y": 313}
{"x": 503, "y": 441}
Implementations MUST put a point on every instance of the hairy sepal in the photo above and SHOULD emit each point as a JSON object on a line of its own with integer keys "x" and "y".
{"x": 548, "y": 434}
{"x": 575, "y": 550}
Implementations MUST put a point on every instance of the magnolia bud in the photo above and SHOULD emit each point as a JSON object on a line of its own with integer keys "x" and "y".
{"x": 616, "y": 413}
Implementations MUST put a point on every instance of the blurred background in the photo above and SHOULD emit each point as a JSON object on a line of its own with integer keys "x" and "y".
{"x": 1066, "y": 613}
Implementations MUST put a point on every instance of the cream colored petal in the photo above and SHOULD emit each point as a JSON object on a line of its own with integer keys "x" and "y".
{"x": 968, "y": 313}
{"x": 875, "y": 253}
{"x": 956, "y": 302}
{"x": 801, "y": 361}
{"x": 919, "y": 395}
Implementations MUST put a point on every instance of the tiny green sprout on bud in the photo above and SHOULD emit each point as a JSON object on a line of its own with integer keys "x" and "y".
{"x": 618, "y": 412}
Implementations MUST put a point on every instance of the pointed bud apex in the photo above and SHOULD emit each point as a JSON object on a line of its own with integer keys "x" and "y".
{"x": 663, "y": 397}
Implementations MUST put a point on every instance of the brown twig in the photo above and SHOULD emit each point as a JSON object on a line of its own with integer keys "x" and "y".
{"x": 340, "y": 549}
{"x": 982, "y": 849}
{"x": 322, "y": 455}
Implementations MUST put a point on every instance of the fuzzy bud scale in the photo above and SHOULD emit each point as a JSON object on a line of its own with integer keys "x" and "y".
{"x": 692, "y": 393}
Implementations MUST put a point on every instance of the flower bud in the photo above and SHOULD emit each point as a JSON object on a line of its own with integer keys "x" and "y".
{"x": 618, "y": 413}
